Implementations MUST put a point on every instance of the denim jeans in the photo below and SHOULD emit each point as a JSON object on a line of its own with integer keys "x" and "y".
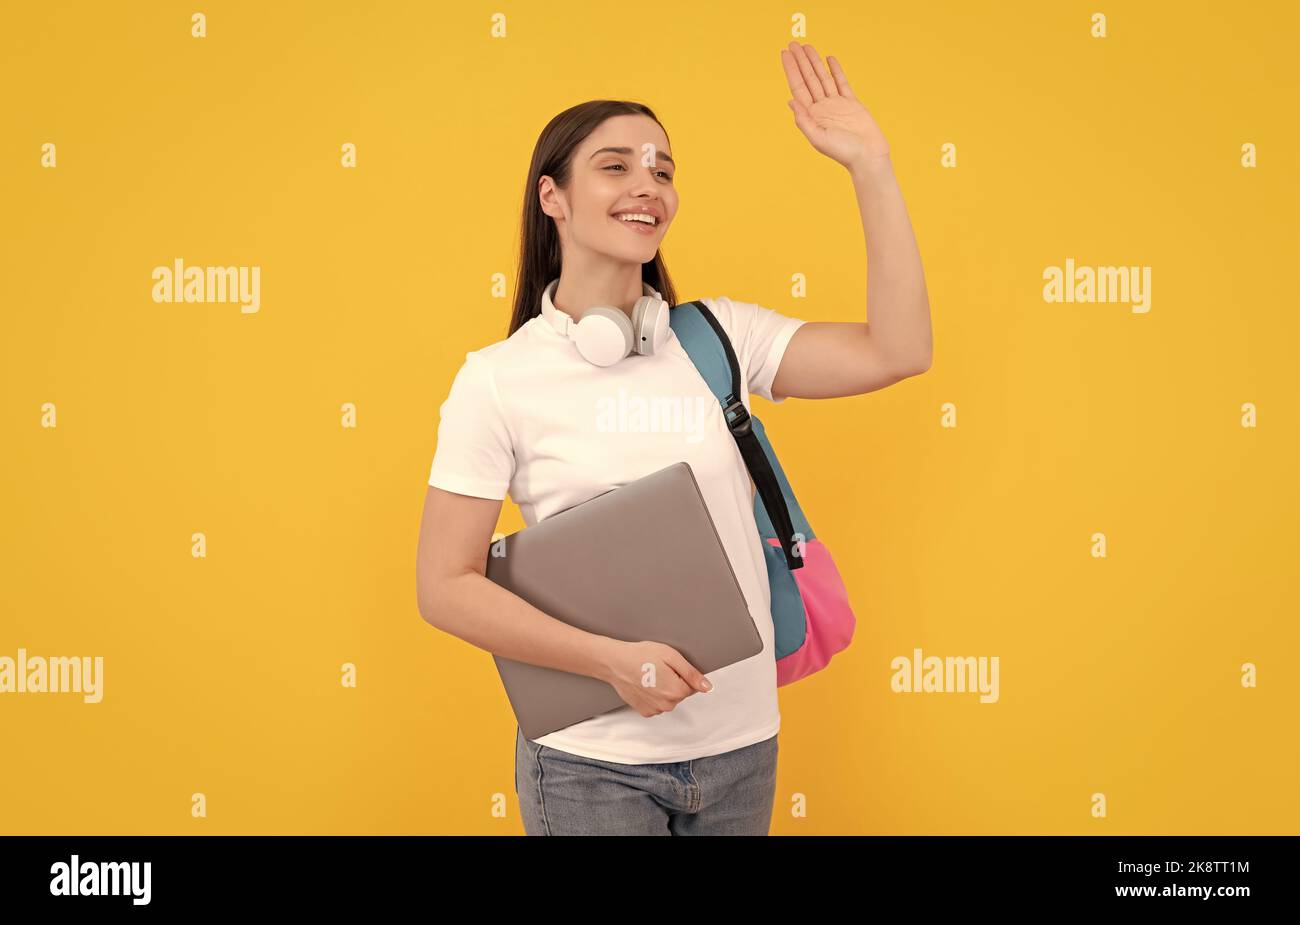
{"x": 565, "y": 794}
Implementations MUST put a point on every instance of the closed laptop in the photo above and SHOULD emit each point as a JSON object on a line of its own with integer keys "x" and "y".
{"x": 640, "y": 562}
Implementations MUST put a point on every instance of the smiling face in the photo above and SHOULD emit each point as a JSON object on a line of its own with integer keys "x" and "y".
{"x": 609, "y": 177}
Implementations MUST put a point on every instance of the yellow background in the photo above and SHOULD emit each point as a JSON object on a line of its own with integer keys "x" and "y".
{"x": 1118, "y": 675}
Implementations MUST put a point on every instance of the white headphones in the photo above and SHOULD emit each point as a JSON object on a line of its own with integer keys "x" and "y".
{"x": 604, "y": 335}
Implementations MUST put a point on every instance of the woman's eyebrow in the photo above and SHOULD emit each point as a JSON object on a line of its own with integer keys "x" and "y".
{"x": 659, "y": 155}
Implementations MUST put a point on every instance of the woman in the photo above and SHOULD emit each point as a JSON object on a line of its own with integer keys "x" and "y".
{"x": 688, "y": 754}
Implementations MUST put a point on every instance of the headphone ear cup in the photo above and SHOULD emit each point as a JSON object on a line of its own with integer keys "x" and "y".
{"x": 650, "y": 320}
{"x": 604, "y": 335}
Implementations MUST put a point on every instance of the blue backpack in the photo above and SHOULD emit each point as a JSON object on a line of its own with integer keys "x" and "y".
{"x": 811, "y": 614}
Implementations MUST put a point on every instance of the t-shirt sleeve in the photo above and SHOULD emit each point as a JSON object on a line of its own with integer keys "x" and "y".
{"x": 759, "y": 336}
{"x": 475, "y": 454}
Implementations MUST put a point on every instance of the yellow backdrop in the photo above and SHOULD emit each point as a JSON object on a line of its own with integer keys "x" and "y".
{"x": 184, "y": 496}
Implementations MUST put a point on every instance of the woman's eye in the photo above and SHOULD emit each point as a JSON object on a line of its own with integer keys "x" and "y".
{"x": 665, "y": 174}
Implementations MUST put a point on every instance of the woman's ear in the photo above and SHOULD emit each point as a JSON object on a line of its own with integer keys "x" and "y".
{"x": 552, "y": 201}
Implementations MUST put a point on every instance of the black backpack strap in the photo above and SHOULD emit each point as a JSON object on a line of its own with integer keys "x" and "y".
{"x": 760, "y": 468}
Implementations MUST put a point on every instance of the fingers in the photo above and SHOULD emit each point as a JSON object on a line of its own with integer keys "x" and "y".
{"x": 688, "y": 673}
{"x": 794, "y": 77}
{"x": 812, "y": 86}
{"x": 841, "y": 80}
{"x": 822, "y": 76}
{"x": 806, "y": 74}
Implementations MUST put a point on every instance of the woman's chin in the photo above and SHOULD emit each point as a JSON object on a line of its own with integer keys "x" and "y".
{"x": 632, "y": 253}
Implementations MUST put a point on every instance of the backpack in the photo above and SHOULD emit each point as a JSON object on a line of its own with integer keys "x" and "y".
{"x": 810, "y": 605}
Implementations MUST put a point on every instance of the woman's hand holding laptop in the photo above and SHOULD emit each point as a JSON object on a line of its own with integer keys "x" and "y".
{"x": 652, "y": 677}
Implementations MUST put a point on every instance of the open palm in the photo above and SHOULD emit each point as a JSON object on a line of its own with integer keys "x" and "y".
{"x": 826, "y": 111}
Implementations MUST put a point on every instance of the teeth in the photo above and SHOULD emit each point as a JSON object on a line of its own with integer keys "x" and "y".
{"x": 637, "y": 217}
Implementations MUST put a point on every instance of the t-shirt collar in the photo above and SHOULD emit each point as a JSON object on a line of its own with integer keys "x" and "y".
{"x": 560, "y": 320}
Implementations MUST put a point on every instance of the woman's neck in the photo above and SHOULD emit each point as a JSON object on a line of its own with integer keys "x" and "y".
{"x": 618, "y": 285}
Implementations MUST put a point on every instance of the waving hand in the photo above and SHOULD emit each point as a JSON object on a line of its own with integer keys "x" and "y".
{"x": 826, "y": 111}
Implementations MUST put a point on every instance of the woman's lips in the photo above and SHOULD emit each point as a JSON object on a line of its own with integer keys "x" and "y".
{"x": 636, "y": 226}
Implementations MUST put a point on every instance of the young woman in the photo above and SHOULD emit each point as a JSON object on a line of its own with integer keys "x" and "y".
{"x": 688, "y": 754}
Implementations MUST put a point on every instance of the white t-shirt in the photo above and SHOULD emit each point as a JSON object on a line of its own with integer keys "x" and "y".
{"x": 530, "y": 415}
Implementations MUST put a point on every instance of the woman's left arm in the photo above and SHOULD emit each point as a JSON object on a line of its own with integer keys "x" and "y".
{"x": 828, "y": 359}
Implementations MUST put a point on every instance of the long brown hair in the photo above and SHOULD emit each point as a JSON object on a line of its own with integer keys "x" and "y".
{"x": 539, "y": 245}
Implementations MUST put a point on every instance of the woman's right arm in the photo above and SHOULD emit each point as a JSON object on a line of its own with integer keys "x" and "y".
{"x": 454, "y": 594}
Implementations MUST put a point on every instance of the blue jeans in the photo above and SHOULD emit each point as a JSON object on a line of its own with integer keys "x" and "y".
{"x": 565, "y": 794}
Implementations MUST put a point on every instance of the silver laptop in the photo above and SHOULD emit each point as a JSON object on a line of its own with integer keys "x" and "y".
{"x": 642, "y": 561}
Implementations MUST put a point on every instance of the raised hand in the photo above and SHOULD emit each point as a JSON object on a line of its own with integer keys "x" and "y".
{"x": 827, "y": 112}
